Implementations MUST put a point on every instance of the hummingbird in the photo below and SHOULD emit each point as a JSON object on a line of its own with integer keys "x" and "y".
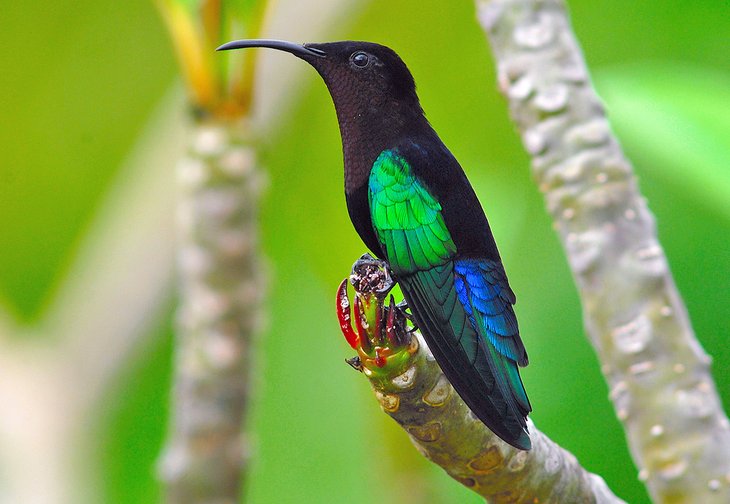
{"x": 413, "y": 207}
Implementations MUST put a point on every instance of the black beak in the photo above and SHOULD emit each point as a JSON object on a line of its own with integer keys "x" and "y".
{"x": 282, "y": 45}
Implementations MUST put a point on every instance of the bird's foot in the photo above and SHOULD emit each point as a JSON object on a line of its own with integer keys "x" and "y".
{"x": 403, "y": 306}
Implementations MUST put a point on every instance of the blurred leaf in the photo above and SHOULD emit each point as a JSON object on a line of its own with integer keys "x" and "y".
{"x": 131, "y": 423}
{"x": 674, "y": 120}
{"x": 189, "y": 5}
{"x": 72, "y": 110}
{"x": 194, "y": 52}
{"x": 621, "y": 31}
{"x": 217, "y": 84}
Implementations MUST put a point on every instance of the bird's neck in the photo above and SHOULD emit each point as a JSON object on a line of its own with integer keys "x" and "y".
{"x": 366, "y": 132}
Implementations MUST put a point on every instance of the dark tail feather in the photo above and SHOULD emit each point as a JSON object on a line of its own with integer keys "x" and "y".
{"x": 461, "y": 352}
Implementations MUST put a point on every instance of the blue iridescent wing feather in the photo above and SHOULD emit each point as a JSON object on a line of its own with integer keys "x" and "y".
{"x": 462, "y": 306}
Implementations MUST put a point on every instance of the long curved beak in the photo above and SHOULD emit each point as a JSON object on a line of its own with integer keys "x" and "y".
{"x": 282, "y": 45}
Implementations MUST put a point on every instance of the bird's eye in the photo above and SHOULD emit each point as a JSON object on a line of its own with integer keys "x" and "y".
{"x": 360, "y": 59}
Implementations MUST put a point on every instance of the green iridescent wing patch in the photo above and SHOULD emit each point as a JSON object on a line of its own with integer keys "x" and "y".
{"x": 406, "y": 217}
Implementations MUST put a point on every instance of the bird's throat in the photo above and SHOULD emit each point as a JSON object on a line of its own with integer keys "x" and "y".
{"x": 368, "y": 131}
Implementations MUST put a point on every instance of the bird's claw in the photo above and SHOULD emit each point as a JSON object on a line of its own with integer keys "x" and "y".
{"x": 403, "y": 306}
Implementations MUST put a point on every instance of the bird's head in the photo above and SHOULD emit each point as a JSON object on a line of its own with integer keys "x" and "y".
{"x": 367, "y": 81}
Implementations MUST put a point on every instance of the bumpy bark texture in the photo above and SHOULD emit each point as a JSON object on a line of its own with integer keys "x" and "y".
{"x": 657, "y": 371}
{"x": 443, "y": 429}
{"x": 411, "y": 388}
{"x": 221, "y": 290}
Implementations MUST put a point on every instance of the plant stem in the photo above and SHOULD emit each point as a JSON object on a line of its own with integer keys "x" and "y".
{"x": 658, "y": 373}
{"x": 221, "y": 291}
{"x": 411, "y": 388}
{"x": 443, "y": 429}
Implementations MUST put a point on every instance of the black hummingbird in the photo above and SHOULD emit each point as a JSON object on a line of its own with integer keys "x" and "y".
{"x": 413, "y": 206}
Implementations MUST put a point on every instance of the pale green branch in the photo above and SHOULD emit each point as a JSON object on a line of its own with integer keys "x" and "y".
{"x": 412, "y": 389}
{"x": 443, "y": 429}
{"x": 657, "y": 371}
{"x": 220, "y": 272}
{"x": 221, "y": 290}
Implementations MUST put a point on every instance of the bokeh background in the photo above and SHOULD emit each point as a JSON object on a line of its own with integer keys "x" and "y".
{"x": 85, "y": 84}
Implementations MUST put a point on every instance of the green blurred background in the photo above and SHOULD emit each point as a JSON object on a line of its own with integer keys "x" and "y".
{"x": 80, "y": 81}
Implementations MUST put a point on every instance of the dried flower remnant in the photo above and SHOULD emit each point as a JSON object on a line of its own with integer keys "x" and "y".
{"x": 381, "y": 334}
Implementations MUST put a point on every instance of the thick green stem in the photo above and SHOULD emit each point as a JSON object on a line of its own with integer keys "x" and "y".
{"x": 221, "y": 290}
{"x": 411, "y": 388}
{"x": 658, "y": 373}
{"x": 443, "y": 429}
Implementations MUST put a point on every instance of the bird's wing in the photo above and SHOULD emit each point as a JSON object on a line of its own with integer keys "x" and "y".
{"x": 482, "y": 288}
{"x": 406, "y": 218}
{"x": 453, "y": 308}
